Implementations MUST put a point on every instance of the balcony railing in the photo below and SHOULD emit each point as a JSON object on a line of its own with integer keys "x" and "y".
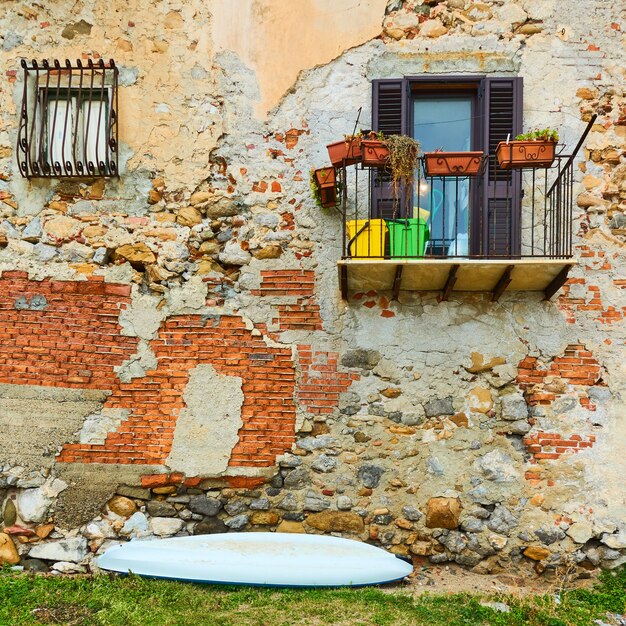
{"x": 493, "y": 214}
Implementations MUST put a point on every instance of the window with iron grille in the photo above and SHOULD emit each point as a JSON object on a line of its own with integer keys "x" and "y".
{"x": 472, "y": 113}
{"x": 68, "y": 120}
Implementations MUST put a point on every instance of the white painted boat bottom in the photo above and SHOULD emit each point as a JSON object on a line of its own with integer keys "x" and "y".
{"x": 265, "y": 559}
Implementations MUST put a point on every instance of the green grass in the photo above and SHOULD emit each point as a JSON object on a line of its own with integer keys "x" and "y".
{"x": 104, "y": 600}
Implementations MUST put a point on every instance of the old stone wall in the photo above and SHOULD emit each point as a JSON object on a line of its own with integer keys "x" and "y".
{"x": 175, "y": 356}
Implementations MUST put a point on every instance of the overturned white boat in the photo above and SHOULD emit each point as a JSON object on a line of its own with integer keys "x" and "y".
{"x": 272, "y": 559}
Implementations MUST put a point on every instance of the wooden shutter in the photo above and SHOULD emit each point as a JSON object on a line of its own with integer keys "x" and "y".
{"x": 389, "y": 106}
{"x": 501, "y": 100}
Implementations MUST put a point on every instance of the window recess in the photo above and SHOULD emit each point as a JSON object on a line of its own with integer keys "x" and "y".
{"x": 68, "y": 120}
{"x": 456, "y": 113}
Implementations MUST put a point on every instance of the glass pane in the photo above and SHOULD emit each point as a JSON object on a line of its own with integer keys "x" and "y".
{"x": 444, "y": 123}
{"x": 95, "y": 131}
{"x": 60, "y": 132}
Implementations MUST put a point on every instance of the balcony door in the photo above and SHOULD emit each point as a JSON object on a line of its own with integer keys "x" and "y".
{"x": 455, "y": 113}
{"x": 445, "y": 121}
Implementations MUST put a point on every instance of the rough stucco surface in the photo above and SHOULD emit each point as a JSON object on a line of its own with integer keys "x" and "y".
{"x": 37, "y": 421}
{"x": 464, "y": 431}
{"x": 206, "y": 430}
{"x": 262, "y": 33}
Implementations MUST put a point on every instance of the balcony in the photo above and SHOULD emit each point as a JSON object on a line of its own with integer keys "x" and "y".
{"x": 494, "y": 230}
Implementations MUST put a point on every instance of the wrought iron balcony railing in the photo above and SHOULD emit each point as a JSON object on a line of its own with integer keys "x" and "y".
{"x": 474, "y": 210}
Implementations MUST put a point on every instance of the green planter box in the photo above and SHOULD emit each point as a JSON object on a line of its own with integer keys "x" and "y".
{"x": 408, "y": 237}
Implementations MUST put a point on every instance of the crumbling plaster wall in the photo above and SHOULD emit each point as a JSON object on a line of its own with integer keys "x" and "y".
{"x": 461, "y": 430}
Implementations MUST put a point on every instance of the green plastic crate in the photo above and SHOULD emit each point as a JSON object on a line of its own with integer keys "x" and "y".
{"x": 408, "y": 237}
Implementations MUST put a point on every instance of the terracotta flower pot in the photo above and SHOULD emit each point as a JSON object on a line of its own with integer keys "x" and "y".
{"x": 328, "y": 197}
{"x": 518, "y": 154}
{"x": 453, "y": 163}
{"x": 345, "y": 152}
{"x": 325, "y": 177}
{"x": 375, "y": 153}
{"x": 326, "y": 181}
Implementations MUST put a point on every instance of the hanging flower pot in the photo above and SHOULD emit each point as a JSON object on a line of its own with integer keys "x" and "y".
{"x": 453, "y": 163}
{"x": 518, "y": 154}
{"x": 375, "y": 152}
{"x": 346, "y": 152}
{"x": 328, "y": 197}
{"x": 324, "y": 187}
{"x": 325, "y": 177}
{"x": 534, "y": 149}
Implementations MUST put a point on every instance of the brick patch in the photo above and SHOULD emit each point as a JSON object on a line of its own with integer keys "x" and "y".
{"x": 67, "y": 334}
{"x": 303, "y": 313}
{"x": 185, "y": 341}
{"x": 320, "y": 382}
{"x": 286, "y": 283}
{"x": 62, "y": 334}
{"x": 550, "y": 446}
{"x": 590, "y": 302}
{"x": 576, "y": 367}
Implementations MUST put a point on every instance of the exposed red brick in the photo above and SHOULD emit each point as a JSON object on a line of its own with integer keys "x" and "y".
{"x": 292, "y": 136}
{"x": 76, "y": 341}
{"x": 320, "y": 382}
{"x": 286, "y": 283}
{"x": 150, "y": 481}
{"x": 550, "y": 446}
{"x": 304, "y": 315}
{"x": 245, "y": 482}
{"x": 577, "y": 367}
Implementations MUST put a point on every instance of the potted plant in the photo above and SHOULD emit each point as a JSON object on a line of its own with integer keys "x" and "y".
{"x": 346, "y": 152}
{"x": 408, "y": 235}
{"x": 375, "y": 150}
{"x": 533, "y": 149}
{"x": 440, "y": 163}
{"x": 324, "y": 187}
{"x": 404, "y": 152}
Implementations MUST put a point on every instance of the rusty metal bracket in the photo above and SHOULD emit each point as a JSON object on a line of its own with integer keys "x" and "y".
{"x": 451, "y": 280}
{"x": 397, "y": 279}
{"x": 502, "y": 284}
{"x": 557, "y": 282}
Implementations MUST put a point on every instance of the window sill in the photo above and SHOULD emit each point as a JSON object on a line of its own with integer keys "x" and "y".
{"x": 493, "y": 276}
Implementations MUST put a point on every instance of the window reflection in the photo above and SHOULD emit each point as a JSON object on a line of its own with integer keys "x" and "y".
{"x": 443, "y": 122}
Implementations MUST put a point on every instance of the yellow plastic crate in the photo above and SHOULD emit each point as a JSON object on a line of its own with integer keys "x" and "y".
{"x": 366, "y": 238}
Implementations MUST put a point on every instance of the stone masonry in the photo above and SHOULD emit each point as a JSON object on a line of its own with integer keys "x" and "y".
{"x": 175, "y": 355}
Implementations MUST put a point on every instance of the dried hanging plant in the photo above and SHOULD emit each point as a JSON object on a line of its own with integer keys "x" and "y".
{"x": 403, "y": 154}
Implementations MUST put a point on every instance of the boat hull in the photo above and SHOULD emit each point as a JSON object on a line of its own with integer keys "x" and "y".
{"x": 267, "y": 559}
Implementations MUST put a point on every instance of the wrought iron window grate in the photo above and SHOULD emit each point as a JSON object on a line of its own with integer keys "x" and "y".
{"x": 69, "y": 120}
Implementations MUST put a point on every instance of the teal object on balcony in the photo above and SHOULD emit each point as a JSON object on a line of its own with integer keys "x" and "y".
{"x": 408, "y": 237}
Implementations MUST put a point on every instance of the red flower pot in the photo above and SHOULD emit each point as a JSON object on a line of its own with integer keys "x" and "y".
{"x": 325, "y": 177}
{"x": 325, "y": 180}
{"x": 453, "y": 163}
{"x": 375, "y": 153}
{"x": 518, "y": 154}
{"x": 328, "y": 197}
{"x": 345, "y": 152}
